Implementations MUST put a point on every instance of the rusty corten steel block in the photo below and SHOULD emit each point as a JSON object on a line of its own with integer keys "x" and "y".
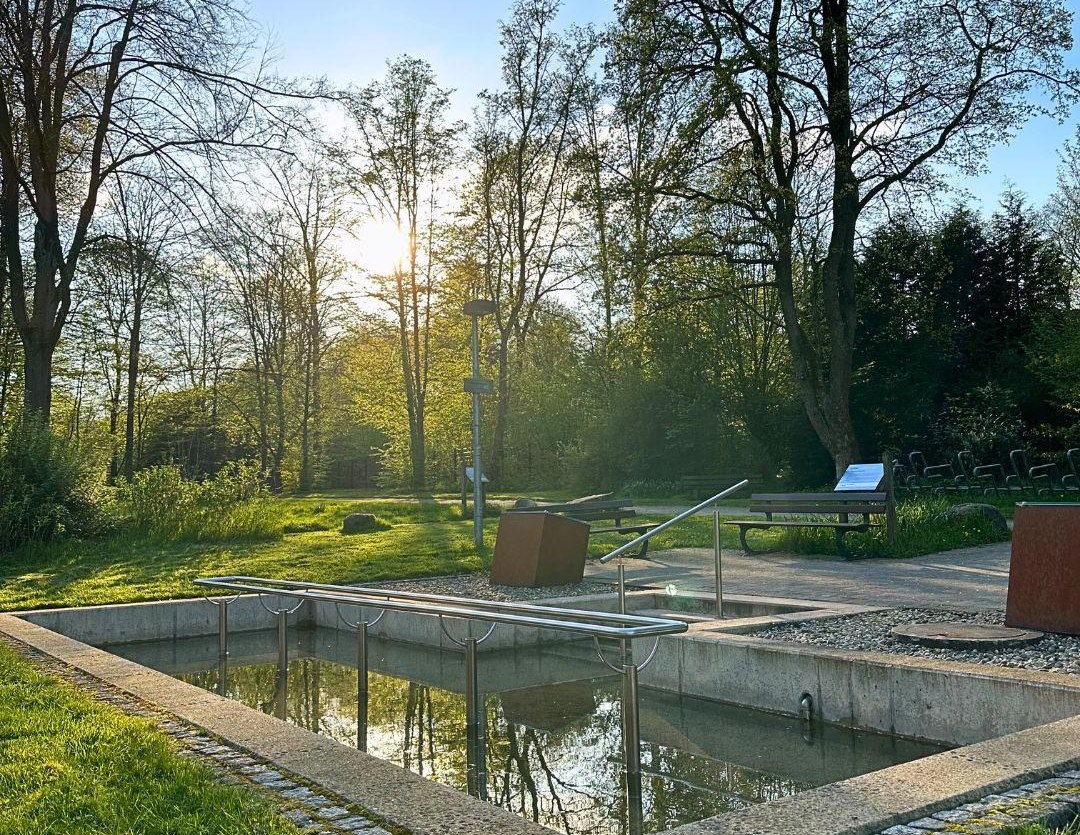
{"x": 1044, "y": 574}
{"x": 539, "y": 549}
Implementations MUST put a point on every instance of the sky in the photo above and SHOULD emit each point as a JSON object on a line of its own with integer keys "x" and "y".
{"x": 349, "y": 41}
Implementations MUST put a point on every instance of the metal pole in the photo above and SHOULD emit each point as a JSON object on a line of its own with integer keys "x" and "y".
{"x": 719, "y": 563}
{"x": 223, "y": 647}
{"x": 361, "y": 686}
{"x": 283, "y": 663}
{"x": 223, "y": 628}
{"x": 631, "y": 747}
{"x": 283, "y": 639}
{"x": 622, "y": 607}
{"x": 478, "y": 497}
{"x": 472, "y": 721}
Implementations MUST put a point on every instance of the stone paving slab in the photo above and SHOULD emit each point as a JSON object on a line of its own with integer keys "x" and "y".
{"x": 967, "y": 578}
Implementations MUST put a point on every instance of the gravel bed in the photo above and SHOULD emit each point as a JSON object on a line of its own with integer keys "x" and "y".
{"x": 480, "y": 587}
{"x": 870, "y": 632}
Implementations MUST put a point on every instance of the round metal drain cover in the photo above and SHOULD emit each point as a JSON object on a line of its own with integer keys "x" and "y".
{"x": 964, "y": 635}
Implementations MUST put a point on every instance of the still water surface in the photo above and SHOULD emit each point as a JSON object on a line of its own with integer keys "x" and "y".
{"x": 553, "y": 740}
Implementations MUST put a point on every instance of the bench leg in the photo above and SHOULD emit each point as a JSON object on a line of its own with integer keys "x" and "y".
{"x": 841, "y": 548}
{"x": 742, "y": 540}
{"x": 644, "y": 552}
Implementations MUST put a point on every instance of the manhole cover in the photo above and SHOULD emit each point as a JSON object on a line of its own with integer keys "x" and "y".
{"x": 964, "y": 635}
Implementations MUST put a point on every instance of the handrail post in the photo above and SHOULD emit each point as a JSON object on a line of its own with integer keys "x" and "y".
{"x": 223, "y": 647}
{"x": 631, "y": 733}
{"x": 718, "y": 557}
{"x": 622, "y": 606}
{"x": 361, "y": 685}
{"x": 283, "y": 663}
{"x": 283, "y": 638}
{"x": 473, "y": 748}
{"x": 223, "y": 629}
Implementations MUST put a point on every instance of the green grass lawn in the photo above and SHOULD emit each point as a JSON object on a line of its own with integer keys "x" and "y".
{"x": 302, "y": 541}
{"x": 425, "y": 539}
{"x": 69, "y": 764}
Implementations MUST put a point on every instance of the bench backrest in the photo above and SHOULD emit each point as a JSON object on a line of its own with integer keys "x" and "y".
{"x": 865, "y": 503}
{"x": 586, "y": 511}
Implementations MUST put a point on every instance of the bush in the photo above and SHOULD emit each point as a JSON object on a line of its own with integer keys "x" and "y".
{"x": 161, "y": 504}
{"x": 922, "y": 527}
{"x": 48, "y": 488}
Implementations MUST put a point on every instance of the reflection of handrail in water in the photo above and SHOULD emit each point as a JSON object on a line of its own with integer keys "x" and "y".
{"x": 620, "y": 626}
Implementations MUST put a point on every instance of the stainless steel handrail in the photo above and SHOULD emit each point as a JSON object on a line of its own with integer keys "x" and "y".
{"x": 591, "y": 624}
{"x": 596, "y": 625}
{"x": 674, "y": 520}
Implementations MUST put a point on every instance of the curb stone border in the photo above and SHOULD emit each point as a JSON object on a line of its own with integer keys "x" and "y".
{"x": 313, "y": 811}
{"x": 1053, "y": 803}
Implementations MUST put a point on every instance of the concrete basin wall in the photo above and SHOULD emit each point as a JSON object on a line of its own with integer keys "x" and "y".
{"x": 947, "y": 702}
{"x": 859, "y": 806}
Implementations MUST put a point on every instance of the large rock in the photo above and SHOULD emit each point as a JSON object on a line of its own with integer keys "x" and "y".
{"x": 972, "y": 512}
{"x": 522, "y": 504}
{"x": 360, "y": 523}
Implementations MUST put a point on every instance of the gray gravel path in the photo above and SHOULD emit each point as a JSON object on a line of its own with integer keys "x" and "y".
{"x": 870, "y": 632}
{"x": 480, "y": 587}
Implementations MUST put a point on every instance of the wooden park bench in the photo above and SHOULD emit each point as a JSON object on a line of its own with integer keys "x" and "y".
{"x": 702, "y": 486}
{"x": 843, "y": 503}
{"x": 601, "y": 510}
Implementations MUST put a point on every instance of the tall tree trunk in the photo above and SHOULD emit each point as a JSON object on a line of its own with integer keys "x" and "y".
{"x": 37, "y": 375}
{"x": 134, "y": 349}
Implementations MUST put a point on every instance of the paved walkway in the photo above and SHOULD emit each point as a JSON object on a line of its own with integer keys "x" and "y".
{"x": 967, "y": 578}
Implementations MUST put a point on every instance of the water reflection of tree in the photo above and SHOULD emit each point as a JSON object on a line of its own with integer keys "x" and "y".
{"x": 566, "y": 776}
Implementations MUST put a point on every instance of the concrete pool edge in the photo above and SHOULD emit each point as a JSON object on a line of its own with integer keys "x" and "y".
{"x": 859, "y": 806}
{"x": 871, "y": 803}
{"x": 400, "y": 797}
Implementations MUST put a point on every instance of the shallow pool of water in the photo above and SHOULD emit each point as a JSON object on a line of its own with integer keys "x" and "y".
{"x": 553, "y": 739}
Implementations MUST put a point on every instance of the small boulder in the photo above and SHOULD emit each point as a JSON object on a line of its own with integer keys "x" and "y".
{"x": 359, "y": 523}
{"x": 521, "y": 504}
{"x": 970, "y": 512}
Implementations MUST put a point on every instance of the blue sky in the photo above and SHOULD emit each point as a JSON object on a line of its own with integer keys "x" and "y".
{"x": 350, "y": 41}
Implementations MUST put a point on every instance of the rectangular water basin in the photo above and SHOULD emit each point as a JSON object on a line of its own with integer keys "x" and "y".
{"x": 552, "y": 738}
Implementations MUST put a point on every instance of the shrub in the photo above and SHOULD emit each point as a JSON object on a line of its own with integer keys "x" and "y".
{"x": 922, "y": 527}
{"x": 160, "y": 503}
{"x": 48, "y": 488}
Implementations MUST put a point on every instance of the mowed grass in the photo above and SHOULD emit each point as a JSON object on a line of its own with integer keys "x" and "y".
{"x": 69, "y": 764}
{"x": 301, "y": 540}
{"x": 422, "y": 538}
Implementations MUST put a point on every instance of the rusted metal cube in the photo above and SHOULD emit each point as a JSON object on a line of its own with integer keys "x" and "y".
{"x": 1044, "y": 575}
{"x": 536, "y": 548}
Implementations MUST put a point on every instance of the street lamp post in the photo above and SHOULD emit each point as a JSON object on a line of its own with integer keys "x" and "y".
{"x": 476, "y": 386}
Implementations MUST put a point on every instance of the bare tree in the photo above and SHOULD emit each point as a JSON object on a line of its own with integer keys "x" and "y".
{"x": 312, "y": 196}
{"x": 91, "y": 92}
{"x": 406, "y": 146}
{"x": 521, "y": 196}
{"x": 125, "y": 270}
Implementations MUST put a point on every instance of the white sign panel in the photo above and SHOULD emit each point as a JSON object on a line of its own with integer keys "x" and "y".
{"x": 861, "y": 478}
{"x": 469, "y": 475}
